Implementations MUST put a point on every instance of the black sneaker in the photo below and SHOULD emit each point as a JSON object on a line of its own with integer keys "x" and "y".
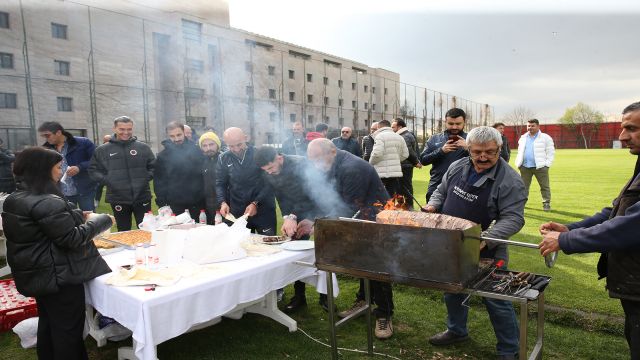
{"x": 355, "y": 307}
{"x": 447, "y": 338}
{"x": 296, "y": 303}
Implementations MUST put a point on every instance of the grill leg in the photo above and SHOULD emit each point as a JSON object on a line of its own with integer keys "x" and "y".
{"x": 367, "y": 295}
{"x": 332, "y": 317}
{"x": 537, "y": 350}
{"x": 524, "y": 319}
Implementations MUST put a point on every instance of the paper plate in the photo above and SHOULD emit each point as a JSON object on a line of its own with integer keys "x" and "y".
{"x": 298, "y": 245}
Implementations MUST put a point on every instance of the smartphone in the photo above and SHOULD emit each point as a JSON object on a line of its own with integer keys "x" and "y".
{"x": 454, "y": 138}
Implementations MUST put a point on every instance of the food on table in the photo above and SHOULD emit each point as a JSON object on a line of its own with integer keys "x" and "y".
{"x": 130, "y": 238}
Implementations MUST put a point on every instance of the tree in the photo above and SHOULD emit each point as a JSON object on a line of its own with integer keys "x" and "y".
{"x": 518, "y": 118}
{"x": 584, "y": 120}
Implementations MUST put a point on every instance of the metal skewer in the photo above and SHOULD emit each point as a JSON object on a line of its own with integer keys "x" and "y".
{"x": 549, "y": 259}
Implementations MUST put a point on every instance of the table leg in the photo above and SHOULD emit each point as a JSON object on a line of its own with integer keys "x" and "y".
{"x": 94, "y": 329}
{"x": 269, "y": 307}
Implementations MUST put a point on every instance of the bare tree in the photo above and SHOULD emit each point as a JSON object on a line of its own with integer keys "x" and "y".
{"x": 584, "y": 120}
{"x": 518, "y": 118}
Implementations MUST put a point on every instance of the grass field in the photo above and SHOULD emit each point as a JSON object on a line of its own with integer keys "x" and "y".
{"x": 584, "y": 325}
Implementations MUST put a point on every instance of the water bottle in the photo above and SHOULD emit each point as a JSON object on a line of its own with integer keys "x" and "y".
{"x": 140, "y": 256}
{"x": 218, "y": 218}
{"x": 203, "y": 217}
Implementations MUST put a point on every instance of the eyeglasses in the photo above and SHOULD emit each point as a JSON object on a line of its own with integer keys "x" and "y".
{"x": 488, "y": 153}
{"x": 346, "y": 132}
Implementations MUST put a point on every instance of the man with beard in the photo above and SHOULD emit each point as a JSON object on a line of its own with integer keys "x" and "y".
{"x": 445, "y": 148}
{"x": 210, "y": 146}
{"x": 614, "y": 233}
{"x": 482, "y": 188}
{"x": 286, "y": 175}
{"x": 505, "y": 153}
{"x": 178, "y": 175}
{"x": 125, "y": 166}
{"x": 296, "y": 144}
{"x": 240, "y": 188}
{"x": 350, "y": 186}
{"x": 406, "y": 183}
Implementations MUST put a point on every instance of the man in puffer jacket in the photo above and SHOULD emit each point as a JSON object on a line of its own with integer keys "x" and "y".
{"x": 389, "y": 150}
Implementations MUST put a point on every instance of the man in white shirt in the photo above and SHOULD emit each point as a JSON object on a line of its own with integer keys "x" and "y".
{"x": 535, "y": 155}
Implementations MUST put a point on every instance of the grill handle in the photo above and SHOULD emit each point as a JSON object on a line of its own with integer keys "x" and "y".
{"x": 549, "y": 259}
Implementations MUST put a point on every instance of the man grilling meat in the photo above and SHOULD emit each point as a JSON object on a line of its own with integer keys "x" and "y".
{"x": 285, "y": 174}
{"x": 355, "y": 186}
{"x": 483, "y": 188}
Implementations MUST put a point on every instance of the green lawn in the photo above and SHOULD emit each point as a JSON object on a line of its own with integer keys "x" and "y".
{"x": 582, "y": 182}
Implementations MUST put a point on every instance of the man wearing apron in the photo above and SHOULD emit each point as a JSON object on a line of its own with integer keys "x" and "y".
{"x": 483, "y": 188}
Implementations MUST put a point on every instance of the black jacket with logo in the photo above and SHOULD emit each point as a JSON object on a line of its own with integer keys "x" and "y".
{"x": 178, "y": 174}
{"x": 125, "y": 168}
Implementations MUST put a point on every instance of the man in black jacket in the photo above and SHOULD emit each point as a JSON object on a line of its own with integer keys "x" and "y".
{"x": 178, "y": 173}
{"x": 125, "y": 166}
{"x": 406, "y": 183}
{"x": 505, "y": 152}
{"x": 351, "y": 186}
{"x": 346, "y": 142}
{"x": 240, "y": 187}
{"x": 367, "y": 142}
{"x": 296, "y": 144}
{"x": 7, "y": 183}
{"x": 210, "y": 146}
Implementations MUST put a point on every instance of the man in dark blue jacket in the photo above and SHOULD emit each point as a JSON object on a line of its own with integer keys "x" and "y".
{"x": 240, "y": 187}
{"x": 614, "y": 233}
{"x": 445, "y": 148}
{"x": 346, "y": 142}
{"x": 76, "y": 151}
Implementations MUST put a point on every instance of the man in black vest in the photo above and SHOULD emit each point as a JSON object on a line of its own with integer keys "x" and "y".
{"x": 483, "y": 188}
{"x": 615, "y": 236}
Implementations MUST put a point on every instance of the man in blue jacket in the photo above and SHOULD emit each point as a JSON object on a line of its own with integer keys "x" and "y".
{"x": 445, "y": 148}
{"x": 614, "y": 233}
{"x": 76, "y": 152}
{"x": 240, "y": 187}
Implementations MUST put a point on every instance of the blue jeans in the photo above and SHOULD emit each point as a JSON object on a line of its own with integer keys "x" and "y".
{"x": 84, "y": 201}
{"x": 501, "y": 313}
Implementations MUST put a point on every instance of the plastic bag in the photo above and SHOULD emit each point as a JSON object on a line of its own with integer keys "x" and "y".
{"x": 27, "y": 330}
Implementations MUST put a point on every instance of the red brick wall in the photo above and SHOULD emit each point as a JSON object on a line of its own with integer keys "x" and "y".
{"x": 567, "y": 138}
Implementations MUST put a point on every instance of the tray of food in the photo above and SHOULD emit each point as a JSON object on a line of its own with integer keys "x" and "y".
{"x": 269, "y": 240}
{"x": 126, "y": 239}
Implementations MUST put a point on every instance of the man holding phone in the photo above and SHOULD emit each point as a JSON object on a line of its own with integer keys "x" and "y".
{"x": 445, "y": 148}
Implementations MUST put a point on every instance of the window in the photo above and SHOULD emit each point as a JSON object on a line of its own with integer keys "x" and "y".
{"x": 373, "y": 89}
{"x": 386, "y": 107}
{"x": 272, "y": 93}
{"x": 353, "y": 104}
{"x": 373, "y": 107}
{"x": 353, "y": 86}
{"x": 272, "y": 116}
{"x": 310, "y": 119}
{"x": 340, "y": 84}
{"x": 292, "y": 74}
{"x": 16, "y": 138}
{"x": 65, "y": 104}
{"x": 341, "y": 121}
{"x": 310, "y": 98}
{"x": 292, "y": 96}
{"x": 6, "y": 60}
{"x": 4, "y": 20}
{"x": 366, "y": 105}
{"x": 292, "y": 117}
{"x": 61, "y": 67}
{"x": 248, "y": 66}
{"x": 340, "y": 102}
{"x": 193, "y": 93}
{"x": 249, "y": 90}
{"x": 58, "y": 31}
{"x": 8, "y": 101}
{"x": 325, "y": 80}
{"x": 326, "y": 100}
{"x": 196, "y": 121}
{"x": 366, "y": 88}
{"x": 271, "y": 70}
{"x": 386, "y": 91}
{"x": 309, "y": 77}
{"x": 191, "y": 30}
{"x": 195, "y": 65}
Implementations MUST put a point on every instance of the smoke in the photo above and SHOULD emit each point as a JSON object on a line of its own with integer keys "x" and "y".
{"x": 322, "y": 191}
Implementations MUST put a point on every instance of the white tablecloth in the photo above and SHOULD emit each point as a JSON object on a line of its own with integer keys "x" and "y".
{"x": 157, "y": 316}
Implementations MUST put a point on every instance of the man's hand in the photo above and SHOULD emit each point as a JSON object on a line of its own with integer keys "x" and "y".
{"x": 549, "y": 242}
{"x": 224, "y": 209}
{"x": 461, "y": 143}
{"x": 449, "y": 146}
{"x": 73, "y": 170}
{"x": 419, "y": 165}
{"x": 289, "y": 227}
{"x": 305, "y": 227}
{"x": 251, "y": 209}
{"x": 86, "y": 215}
{"x": 553, "y": 226}
{"x": 429, "y": 208}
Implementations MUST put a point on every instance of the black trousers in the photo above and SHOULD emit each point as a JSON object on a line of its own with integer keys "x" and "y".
{"x": 123, "y": 212}
{"x": 392, "y": 185}
{"x": 194, "y": 210}
{"x": 61, "y": 324}
{"x": 406, "y": 185}
{"x": 381, "y": 295}
{"x": 632, "y": 326}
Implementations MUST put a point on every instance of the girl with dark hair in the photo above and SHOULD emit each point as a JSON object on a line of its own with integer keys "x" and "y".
{"x": 51, "y": 252}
